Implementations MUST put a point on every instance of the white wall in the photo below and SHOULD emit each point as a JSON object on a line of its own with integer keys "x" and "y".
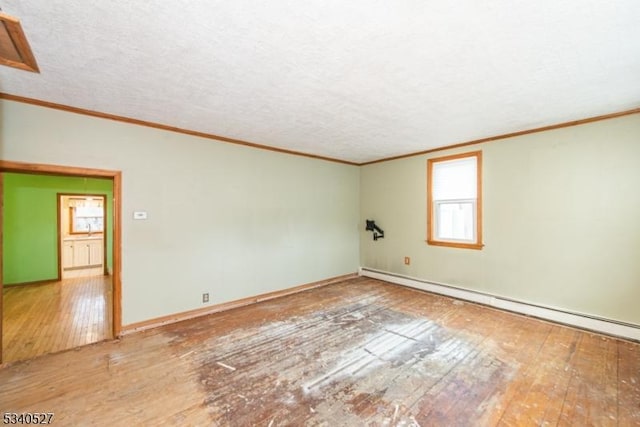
{"x": 561, "y": 212}
{"x": 225, "y": 219}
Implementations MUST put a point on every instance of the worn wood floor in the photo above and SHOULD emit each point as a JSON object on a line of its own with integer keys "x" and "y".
{"x": 49, "y": 317}
{"x": 361, "y": 352}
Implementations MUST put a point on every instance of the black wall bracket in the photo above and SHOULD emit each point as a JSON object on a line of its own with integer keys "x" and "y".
{"x": 371, "y": 226}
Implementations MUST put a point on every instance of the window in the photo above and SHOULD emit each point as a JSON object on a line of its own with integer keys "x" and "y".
{"x": 86, "y": 215}
{"x": 454, "y": 198}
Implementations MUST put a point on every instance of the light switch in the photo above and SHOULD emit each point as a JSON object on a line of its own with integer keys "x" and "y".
{"x": 140, "y": 215}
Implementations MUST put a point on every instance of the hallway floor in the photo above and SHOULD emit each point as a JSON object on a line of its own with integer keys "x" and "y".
{"x": 55, "y": 316}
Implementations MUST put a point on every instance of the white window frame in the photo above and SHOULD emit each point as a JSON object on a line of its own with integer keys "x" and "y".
{"x": 474, "y": 209}
{"x": 433, "y": 219}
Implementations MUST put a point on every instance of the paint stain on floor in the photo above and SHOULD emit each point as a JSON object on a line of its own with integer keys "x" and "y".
{"x": 353, "y": 364}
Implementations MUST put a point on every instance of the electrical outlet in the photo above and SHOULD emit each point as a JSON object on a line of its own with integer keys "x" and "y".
{"x": 205, "y": 297}
{"x": 407, "y": 260}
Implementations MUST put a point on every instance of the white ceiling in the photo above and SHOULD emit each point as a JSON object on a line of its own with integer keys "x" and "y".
{"x": 353, "y": 80}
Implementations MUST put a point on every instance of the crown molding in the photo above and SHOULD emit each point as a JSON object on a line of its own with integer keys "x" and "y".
{"x": 168, "y": 128}
{"x": 220, "y": 138}
{"x": 509, "y": 135}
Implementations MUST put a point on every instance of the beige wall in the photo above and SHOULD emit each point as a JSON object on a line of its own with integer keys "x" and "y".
{"x": 225, "y": 219}
{"x": 561, "y": 212}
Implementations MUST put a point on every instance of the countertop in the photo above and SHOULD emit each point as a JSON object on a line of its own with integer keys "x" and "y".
{"x": 73, "y": 239}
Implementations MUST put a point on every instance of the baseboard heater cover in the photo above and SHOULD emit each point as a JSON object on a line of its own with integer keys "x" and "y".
{"x": 583, "y": 321}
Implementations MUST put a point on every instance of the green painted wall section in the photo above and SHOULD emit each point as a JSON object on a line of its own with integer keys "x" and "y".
{"x": 30, "y": 244}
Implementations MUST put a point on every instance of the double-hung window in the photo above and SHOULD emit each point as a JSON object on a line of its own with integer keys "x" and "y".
{"x": 454, "y": 198}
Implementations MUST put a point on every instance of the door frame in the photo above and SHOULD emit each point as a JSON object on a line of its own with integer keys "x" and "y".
{"x": 47, "y": 169}
{"x": 59, "y": 196}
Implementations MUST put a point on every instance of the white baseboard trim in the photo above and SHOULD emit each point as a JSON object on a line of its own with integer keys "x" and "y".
{"x": 583, "y": 321}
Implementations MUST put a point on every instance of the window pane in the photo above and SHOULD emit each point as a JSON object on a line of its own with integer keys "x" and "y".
{"x": 455, "y": 221}
{"x": 88, "y": 211}
{"x": 455, "y": 179}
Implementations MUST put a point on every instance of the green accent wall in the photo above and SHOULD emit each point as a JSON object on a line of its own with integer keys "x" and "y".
{"x": 30, "y": 244}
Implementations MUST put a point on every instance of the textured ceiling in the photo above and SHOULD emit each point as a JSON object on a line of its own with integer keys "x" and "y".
{"x": 354, "y": 80}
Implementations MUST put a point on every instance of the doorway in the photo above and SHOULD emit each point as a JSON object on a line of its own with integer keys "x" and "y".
{"x": 82, "y": 236}
{"x": 113, "y": 253}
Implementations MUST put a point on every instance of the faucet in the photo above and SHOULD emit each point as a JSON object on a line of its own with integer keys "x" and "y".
{"x": 89, "y": 224}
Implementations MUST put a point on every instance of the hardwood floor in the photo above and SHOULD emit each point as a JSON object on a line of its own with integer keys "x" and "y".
{"x": 360, "y": 352}
{"x": 49, "y": 317}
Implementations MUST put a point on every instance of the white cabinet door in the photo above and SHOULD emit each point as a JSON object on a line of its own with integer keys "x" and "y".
{"x": 95, "y": 252}
{"x": 67, "y": 254}
{"x": 80, "y": 254}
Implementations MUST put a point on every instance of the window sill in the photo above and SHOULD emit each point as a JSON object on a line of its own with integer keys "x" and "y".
{"x": 477, "y": 246}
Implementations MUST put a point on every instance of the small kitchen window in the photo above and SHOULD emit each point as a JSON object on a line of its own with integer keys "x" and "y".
{"x": 87, "y": 215}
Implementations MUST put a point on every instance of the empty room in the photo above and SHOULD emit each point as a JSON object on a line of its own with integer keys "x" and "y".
{"x": 320, "y": 213}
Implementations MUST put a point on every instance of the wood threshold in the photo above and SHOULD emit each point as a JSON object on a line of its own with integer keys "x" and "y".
{"x": 186, "y": 315}
{"x": 161, "y": 126}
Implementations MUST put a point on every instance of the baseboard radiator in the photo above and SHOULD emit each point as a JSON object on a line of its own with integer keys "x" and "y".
{"x": 615, "y": 328}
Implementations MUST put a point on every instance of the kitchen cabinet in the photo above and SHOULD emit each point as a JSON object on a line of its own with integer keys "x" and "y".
{"x": 81, "y": 253}
{"x": 96, "y": 256}
{"x": 67, "y": 254}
